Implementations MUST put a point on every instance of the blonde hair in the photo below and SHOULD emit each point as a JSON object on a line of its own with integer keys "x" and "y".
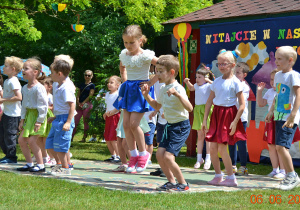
{"x": 89, "y": 71}
{"x": 66, "y": 58}
{"x": 36, "y": 64}
{"x": 136, "y": 32}
{"x": 15, "y": 62}
{"x": 230, "y": 55}
{"x": 170, "y": 62}
{"x": 116, "y": 78}
{"x": 288, "y": 52}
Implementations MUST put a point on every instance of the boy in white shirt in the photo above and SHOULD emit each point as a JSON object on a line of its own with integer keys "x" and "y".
{"x": 173, "y": 99}
{"x": 11, "y": 100}
{"x": 64, "y": 100}
{"x": 241, "y": 72}
{"x": 285, "y": 109}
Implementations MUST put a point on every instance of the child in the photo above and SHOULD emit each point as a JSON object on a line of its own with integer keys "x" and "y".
{"x": 59, "y": 138}
{"x": 151, "y": 120}
{"x": 33, "y": 115}
{"x": 134, "y": 66}
{"x": 11, "y": 100}
{"x": 111, "y": 121}
{"x": 173, "y": 99}
{"x": 204, "y": 78}
{"x": 285, "y": 109}
{"x": 241, "y": 71}
{"x": 48, "y": 160}
{"x": 225, "y": 124}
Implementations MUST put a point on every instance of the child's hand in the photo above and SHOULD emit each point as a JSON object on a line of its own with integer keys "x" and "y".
{"x": 204, "y": 126}
{"x": 233, "y": 128}
{"x": 105, "y": 115}
{"x": 50, "y": 119}
{"x": 186, "y": 80}
{"x": 145, "y": 89}
{"x": 269, "y": 117}
{"x": 172, "y": 91}
{"x": 261, "y": 86}
{"x": 21, "y": 125}
{"x": 289, "y": 123}
{"x": 152, "y": 114}
{"x": 66, "y": 126}
{"x": 37, "y": 126}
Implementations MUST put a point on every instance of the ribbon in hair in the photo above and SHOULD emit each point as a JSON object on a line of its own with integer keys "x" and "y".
{"x": 222, "y": 51}
{"x": 235, "y": 55}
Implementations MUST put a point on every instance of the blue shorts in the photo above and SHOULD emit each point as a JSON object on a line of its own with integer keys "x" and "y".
{"x": 60, "y": 140}
{"x": 159, "y": 132}
{"x": 175, "y": 135}
{"x": 284, "y": 136}
{"x": 150, "y": 135}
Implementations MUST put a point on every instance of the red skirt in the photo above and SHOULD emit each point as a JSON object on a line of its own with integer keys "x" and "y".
{"x": 220, "y": 121}
{"x": 111, "y": 123}
{"x": 269, "y": 134}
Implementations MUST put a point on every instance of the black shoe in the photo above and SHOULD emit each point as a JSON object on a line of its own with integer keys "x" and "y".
{"x": 162, "y": 175}
{"x": 158, "y": 172}
{"x": 24, "y": 168}
{"x": 37, "y": 169}
{"x": 109, "y": 159}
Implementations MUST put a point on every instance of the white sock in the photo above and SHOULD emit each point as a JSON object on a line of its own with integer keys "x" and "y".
{"x": 219, "y": 175}
{"x": 231, "y": 176}
{"x": 29, "y": 164}
{"x": 134, "y": 153}
{"x": 113, "y": 156}
{"x": 144, "y": 153}
{"x": 207, "y": 157}
{"x": 293, "y": 173}
{"x": 40, "y": 166}
{"x": 276, "y": 170}
{"x": 282, "y": 171}
{"x": 199, "y": 157}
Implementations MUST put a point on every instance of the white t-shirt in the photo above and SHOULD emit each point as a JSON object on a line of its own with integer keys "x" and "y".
{"x": 226, "y": 90}
{"x": 160, "y": 120}
{"x": 137, "y": 66}
{"x": 35, "y": 98}
{"x": 269, "y": 96}
{"x": 246, "y": 91}
{"x": 62, "y": 95}
{"x": 110, "y": 99}
{"x": 11, "y": 108}
{"x": 173, "y": 108}
{"x": 285, "y": 97}
{"x": 201, "y": 93}
{"x": 50, "y": 99}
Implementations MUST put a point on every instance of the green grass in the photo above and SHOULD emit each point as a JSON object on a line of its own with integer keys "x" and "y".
{"x": 28, "y": 192}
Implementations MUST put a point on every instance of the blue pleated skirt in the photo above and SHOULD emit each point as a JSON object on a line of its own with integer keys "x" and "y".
{"x": 131, "y": 98}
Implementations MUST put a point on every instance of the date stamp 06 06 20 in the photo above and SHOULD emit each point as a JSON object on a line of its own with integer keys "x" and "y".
{"x": 274, "y": 199}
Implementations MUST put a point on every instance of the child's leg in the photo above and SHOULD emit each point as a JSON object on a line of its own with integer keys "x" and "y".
{"x": 149, "y": 149}
{"x": 69, "y": 157}
{"x": 121, "y": 150}
{"x": 233, "y": 154}
{"x": 24, "y": 147}
{"x": 200, "y": 142}
{"x": 138, "y": 134}
{"x": 214, "y": 157}
{"x": 36, "y": 150}
{"x": 273, "y": 156}
{"x": 160, "y": 156}
{"x": 41, "y": 141}
{"x": 55, "y": 155}
{"x": 63, "y": 158}
{"x": 242, "y": 145}
{"x": 286, "y": 158}
{"x": 169, "y": 161}
{"x": 111, "y": 147}
{"x": 125, "y": 147}
{"x": 222, "y": 148}
{"x": 128, "y": 133}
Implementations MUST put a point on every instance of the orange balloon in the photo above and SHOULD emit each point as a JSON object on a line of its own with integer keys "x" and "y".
{"x": 175, "y": 32}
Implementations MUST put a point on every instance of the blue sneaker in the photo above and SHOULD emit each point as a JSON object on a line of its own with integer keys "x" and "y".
{"x": 71, "y": 166}
{"x": 7, "y": 160}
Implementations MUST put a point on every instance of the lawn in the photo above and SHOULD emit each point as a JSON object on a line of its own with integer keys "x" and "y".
{"x": 27, "y": 192}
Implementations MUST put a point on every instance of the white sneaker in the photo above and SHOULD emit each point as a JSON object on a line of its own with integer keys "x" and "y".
{"x": 272, "y": 174}
{"x": 51, "y": 162}
{"x": 279, "y": 176}
{"x": 289, "y": 182}
{"x": 61, "y": 172}
{"x": 103, "y": 141}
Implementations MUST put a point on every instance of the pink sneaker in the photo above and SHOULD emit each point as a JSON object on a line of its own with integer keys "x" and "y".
{"x": 51, "y": 162}
{"x": 229, "y": 183}
{"x": 132, "y": 163}
{"x": 143, "y": 162}
{"x": 215, "y": 180}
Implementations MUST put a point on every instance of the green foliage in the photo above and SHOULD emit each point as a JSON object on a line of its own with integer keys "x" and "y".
{"x": 96, "y": 121}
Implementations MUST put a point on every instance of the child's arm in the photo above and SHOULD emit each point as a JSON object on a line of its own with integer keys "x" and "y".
{"x": 123, "y": 72}
{"x": 259, "y": 98}
{"x": 145, "y": 91}
{"x": 66, "y": 126}
{"x": 290, "y": 120}
{"x": 189, "y": 84}
{"x": 185, "y": 102}
{"x": 112, "y": 112}
{"x": 1, "y": 93}
{"x": 16, "y": 97}
{"x": 270, "y": 113}
{"x": 208, "y": 105}
{"x": 208, "y": 80}
{"x": 239, "y": 113}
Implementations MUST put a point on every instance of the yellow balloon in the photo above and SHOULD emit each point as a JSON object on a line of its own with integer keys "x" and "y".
{"x": 182, "y": 30}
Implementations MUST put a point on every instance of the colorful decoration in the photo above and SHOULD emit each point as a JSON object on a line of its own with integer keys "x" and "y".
{"x": 181, "y": 32}
{"x": 59, "y": 7}
{"x": 77, "y": 27}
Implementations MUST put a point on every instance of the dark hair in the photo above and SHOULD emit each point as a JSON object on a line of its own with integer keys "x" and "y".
{"x": 205, "y": 71}
{"x": 244, "y": 66}
{"x": 61, "y": 66}
{"x": 170, "y": 62}
{"x": 47, "y": 80}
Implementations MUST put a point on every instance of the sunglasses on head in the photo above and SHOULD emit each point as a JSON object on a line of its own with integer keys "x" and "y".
{"x": 88, "y": 75}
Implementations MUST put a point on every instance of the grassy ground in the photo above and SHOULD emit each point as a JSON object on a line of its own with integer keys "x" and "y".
{"x": 27, "y": 192}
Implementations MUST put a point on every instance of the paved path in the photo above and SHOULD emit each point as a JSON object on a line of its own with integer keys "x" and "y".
{"x": 99, "y": 173}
